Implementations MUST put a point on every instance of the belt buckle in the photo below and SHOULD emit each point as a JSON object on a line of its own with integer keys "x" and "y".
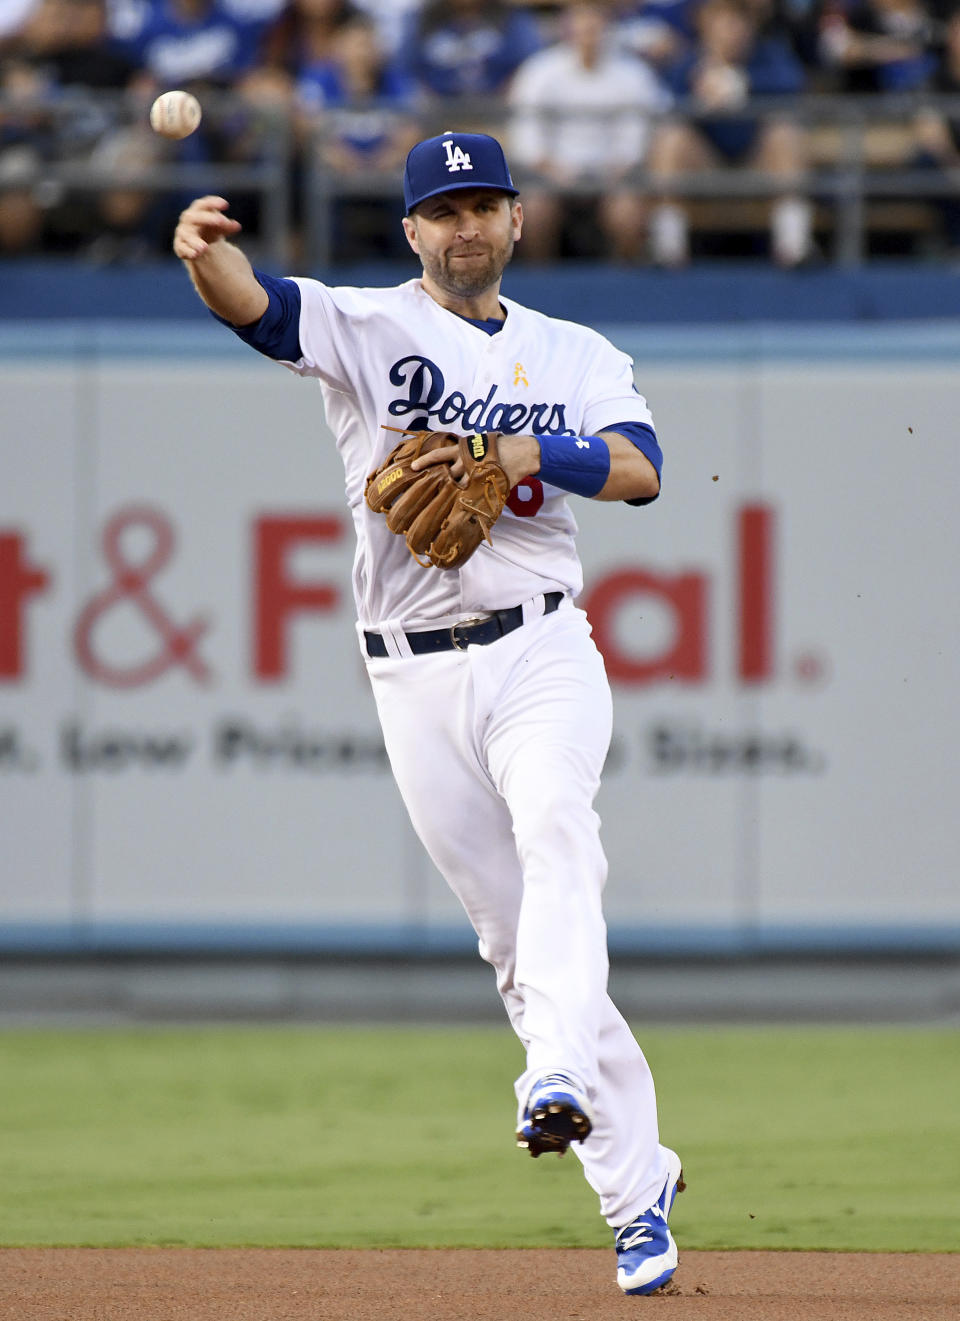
{"x": 465, "y": 623}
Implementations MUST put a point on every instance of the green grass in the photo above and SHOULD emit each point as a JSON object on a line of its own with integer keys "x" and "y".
{"x": 791, "y": 1138}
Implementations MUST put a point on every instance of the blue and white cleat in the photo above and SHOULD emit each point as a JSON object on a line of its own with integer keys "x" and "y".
{"x": 556, "y": 1113}
{"x": 646, "y": 1250}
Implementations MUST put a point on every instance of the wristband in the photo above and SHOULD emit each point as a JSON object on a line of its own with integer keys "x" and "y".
{"x": 580, "y": 464}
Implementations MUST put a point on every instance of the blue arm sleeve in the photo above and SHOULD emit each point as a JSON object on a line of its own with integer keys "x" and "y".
{"x": 645, "y": 439}
{"x": 277, "y": 333}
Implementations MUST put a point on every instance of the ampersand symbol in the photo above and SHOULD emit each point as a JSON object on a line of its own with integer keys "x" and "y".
{"x": 130, "y": 584}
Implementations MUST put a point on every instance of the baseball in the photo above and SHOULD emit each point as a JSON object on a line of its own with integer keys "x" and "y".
{"x": 175, "y": 114}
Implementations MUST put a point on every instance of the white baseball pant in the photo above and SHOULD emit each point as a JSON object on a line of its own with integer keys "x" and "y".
{"x": 497, "y": 751}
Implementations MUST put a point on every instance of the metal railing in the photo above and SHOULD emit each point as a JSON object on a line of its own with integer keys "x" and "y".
{"x": 844, "y": 182}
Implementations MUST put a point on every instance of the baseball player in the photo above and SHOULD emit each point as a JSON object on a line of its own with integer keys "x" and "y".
{"x": 486, "y": 673}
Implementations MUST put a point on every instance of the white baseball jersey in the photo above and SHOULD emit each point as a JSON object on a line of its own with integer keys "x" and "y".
{"x": 395, "y": 358}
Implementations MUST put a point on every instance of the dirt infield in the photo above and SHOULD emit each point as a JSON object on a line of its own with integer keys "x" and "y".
{"x": 170, "y": 1284}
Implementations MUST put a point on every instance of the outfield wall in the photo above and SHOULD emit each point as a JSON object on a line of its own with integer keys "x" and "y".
{"x": 189, "y": 754}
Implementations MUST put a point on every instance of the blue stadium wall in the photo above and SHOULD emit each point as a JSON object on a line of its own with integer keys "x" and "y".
{"x": 714, "y": 294}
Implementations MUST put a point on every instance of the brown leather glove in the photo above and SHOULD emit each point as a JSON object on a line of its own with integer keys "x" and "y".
{"x": 444, "y": 519}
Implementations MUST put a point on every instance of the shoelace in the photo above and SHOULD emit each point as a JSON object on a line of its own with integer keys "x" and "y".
{"x": 642, "y": 1234}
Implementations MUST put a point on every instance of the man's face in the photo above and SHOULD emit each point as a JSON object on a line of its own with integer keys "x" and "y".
{"x": 587, "y": 27}
{"x": 465, "y": 239}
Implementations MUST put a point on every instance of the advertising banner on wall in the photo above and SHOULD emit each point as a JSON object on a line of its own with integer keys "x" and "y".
{"x": 189, "y": 752}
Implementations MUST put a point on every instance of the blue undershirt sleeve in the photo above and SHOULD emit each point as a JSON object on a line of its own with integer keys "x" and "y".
{"x": 645, "y": 439}
{"x": 277, "y": 333}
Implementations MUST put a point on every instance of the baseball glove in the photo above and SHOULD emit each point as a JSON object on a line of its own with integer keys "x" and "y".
{"x": 442, "y": 518}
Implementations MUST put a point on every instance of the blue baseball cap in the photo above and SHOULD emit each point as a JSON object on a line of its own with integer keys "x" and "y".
{"x": 452, "y": 162}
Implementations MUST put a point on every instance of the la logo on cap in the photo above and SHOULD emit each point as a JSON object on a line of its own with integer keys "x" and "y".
{"x": 457, "y": 158}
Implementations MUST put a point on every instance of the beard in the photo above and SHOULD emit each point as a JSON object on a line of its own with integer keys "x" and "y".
{"x": 467, "y": 279}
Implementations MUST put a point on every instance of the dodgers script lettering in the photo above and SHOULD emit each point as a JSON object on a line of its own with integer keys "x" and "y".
{"x": 427, "y": 397}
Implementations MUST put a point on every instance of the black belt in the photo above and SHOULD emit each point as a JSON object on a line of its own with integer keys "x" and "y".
{"x": 466, "y": 634}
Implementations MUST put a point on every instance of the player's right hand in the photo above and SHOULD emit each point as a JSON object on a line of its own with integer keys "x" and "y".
{"x": 202, "y": 224}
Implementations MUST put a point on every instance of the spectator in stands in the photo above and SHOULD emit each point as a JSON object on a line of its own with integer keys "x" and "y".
{"x": 794, "y": 22}
{"x": 63, "y": 53}
{"x": 877, "y": 45}
{"x": 14, "y": 14}
{"x": 211, "y": 43}
{"x": 659, "y": 31}
{"x": 938, "y": 136}
{"x": 581, "y": 121}
{"x": 69, "y": 41}
{"x": 732, "y": 62}
{"x": 360, "y": 102}
{"x": 304, "y": 35}
{"x": 390, "y": 18}
{"x": 467, "y": 48}
{"x": 361, "y": 99}
{"x": 24, "y": 134}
